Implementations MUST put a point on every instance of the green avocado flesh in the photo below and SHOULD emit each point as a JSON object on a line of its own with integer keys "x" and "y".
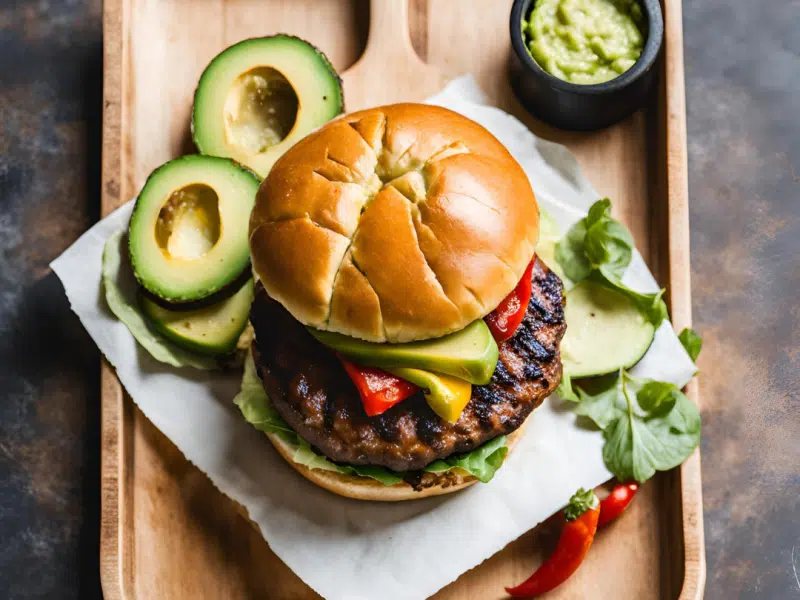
{"x": 188, "y": 232}
{"x": 585, "y": 41}
{"x": 259, "y": 97}
{"x": 213, "y": 330}
{"x": 605, "y": 331}
{"x": 470, "y": 354}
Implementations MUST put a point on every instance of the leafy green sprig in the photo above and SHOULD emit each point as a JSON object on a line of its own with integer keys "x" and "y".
{"x": 691, "y": 342}
{"x": 600, "y": 248}
{"x": 647, "y": 425}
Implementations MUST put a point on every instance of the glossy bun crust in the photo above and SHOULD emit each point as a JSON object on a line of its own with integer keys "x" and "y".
{"x": 393, "y": 224}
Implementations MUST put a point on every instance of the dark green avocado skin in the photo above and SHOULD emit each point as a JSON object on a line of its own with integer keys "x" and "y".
{"x": 206, "y": 122}
{"x": 221, "y": 56}
{"x": 211, "y": 330}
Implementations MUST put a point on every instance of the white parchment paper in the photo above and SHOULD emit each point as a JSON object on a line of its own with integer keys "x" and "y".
{"x": 347, "y": 549}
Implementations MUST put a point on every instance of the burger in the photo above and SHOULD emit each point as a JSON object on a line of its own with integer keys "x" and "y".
{"x": 402, "y": 321}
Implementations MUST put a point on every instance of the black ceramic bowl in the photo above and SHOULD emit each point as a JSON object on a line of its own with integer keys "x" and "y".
{"x": 583, "y": 107}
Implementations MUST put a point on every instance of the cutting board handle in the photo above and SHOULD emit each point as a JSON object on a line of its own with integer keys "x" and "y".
{"x": 388, "y": 38}
{"x": 389, "y": 70}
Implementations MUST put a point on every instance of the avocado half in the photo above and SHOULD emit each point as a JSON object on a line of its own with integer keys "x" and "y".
{"x": 259, "y": 97}
{"x": 187, "y": 236}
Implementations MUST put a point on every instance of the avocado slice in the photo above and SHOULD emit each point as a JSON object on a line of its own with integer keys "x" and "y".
{"x": 212, "y": 330}
{"x": 446, "y": 395}
{"x": 606, "y": 331}
{"x": 470, "y": 354}
{"x": 188, "y": 232}
{"x": 259, "y": 97}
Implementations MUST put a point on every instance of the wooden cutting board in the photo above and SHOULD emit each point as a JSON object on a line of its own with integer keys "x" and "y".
{"x": 166, "y": 532}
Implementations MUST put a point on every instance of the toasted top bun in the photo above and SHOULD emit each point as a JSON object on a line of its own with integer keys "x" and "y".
{"x": 364, "y": 488}
{"x": 393, "y": 224}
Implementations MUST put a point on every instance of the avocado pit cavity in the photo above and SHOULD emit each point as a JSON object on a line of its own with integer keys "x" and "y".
{"x": 260, "y": 110}
{"x": 188, "y": 225}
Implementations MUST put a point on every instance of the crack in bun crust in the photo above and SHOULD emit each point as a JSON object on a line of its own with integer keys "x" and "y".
{"x": 394, "y": 224}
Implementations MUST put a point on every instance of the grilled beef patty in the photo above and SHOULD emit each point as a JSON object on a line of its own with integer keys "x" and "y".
{"x": 312, "y": 392}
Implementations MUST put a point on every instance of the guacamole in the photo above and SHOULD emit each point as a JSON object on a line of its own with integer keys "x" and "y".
{"x": 585, "y": 41}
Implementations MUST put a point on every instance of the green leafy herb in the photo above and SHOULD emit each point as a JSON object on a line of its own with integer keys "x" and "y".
{"x": 648, "y": 425}
{"x": 652, "y": 306}
{"x": 121, "y": 293}
{"x": 256, "y": 408}
{"x": 595, "y": 240}
{"x": 581, "y": 501}
{"x": 692, "y": 343}
{"x": 600, "y": 247}
{"x": 607, "y": 242}
{"x": 606, "y": 406}
{"x": 570, "y": 254}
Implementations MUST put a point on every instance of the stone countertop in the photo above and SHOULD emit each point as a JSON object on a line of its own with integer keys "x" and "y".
{"x": 743, "y": 89}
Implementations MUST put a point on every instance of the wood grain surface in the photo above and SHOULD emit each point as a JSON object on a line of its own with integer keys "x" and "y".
{"x": 166, "y": 532}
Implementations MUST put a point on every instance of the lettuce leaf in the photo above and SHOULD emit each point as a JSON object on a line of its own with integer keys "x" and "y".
{"x": 256, "y": 408}
{"x": 306, "y": 456}
{"x": 252, "y": 400}
{"x": 121, "y": 294}
{"x": 482, "y": 462}
{"x": 565, "y": 390}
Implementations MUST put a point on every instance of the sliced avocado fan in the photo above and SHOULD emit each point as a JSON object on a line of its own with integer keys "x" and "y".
{"x": 188, "y": 232}
{"x": 259, "y": 97}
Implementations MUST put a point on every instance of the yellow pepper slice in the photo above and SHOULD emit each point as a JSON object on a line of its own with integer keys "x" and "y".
{"x": 446, "y": 395}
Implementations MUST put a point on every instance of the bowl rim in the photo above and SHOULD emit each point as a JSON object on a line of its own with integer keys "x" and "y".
{"x": 652, "y": 46}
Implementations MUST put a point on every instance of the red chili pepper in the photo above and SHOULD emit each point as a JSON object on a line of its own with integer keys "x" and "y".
{"x": 504, "y": 320}
{"x": 378, "y": 389}
{"x": 576, "y": 538}
{"x": 617, "y": 501}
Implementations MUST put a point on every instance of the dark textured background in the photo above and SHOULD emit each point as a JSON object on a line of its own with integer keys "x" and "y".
{"x": 743, "y": 93}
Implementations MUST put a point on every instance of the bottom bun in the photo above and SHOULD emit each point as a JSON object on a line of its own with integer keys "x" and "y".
{"x": 364, "y": 488}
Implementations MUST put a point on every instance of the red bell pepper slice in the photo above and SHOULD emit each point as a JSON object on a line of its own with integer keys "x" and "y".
{"x": 378, "y": 389}
{"x": 504, "y": 320}
{"x": 580, "y": 525}
{"x": 616, "y": 502}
